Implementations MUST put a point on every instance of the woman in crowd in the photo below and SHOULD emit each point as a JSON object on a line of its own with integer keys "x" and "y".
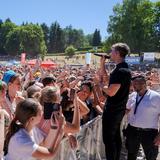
{"x": 33, "y": 91}
{"x": 24, "y": 141}
{"x": 51, "y": 96}
{"x": 85, "y": 95}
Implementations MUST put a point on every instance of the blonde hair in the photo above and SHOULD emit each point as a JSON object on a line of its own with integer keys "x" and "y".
{"x": 49, "y": 95}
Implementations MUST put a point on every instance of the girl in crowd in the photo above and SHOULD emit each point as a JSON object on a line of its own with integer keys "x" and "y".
{"x": 24, "y": 141}
{"x": 50, "y": 96}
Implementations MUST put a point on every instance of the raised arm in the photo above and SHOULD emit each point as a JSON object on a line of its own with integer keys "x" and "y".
{"x": 49, "y": 146}
{"x": 74, "y": 127}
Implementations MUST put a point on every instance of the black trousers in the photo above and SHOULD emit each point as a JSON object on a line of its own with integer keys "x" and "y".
{"x": 135, "y": 137}
{"x": 111, "y": 122}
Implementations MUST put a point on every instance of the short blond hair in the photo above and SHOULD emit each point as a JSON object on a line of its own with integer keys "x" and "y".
{"x": 122, "y": 48}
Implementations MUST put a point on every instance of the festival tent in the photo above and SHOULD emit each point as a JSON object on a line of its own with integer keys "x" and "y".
{"x": 45, "y": 64}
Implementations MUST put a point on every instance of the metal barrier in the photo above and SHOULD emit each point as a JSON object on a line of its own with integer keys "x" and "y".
{"x": 90, "y": 143}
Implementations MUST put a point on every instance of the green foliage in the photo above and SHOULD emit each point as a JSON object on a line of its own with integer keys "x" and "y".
{"x": 56, "y": 38}
{"x": 37, "y": 39}
{"x": 28, "y": 39}
{"x": 85, "y": 48}
{"x": 98, "y": 49}
{"x": 13, "y": 43}
{"x": 5, "y": 28}
{"x": 45, "y": 29}
{"x": 133, "y": 22}
{"x": 33, "y": 40}
{"x": 157, "y": 24}
{"x": 89, "y": 39}
{"x": 74, "y": 37}
{"x": 70, "y": 51}
{"x": 96, "y": 41}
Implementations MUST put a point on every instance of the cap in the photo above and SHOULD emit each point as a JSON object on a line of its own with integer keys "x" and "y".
{"x": 8, "y": 75}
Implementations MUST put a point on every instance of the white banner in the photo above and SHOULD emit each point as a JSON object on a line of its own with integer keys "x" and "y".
{"x": 133, "y": 60}
{"x": 149, "y": 56}
{"x": 88, "y": 58}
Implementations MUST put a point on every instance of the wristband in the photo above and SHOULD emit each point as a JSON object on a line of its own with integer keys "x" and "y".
{"x": 54, "y": 127}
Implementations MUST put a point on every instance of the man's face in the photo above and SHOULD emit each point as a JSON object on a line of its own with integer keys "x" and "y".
{"x": 138, "y": 85}
{"x": 114, "y": 54}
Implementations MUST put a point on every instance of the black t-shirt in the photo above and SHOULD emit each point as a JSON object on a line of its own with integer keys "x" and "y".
{"x": 120, "y": 75}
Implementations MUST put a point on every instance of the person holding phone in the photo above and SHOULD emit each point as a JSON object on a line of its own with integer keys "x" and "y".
{"x": 25, "y": 141}
{"x": 50, "y": 100}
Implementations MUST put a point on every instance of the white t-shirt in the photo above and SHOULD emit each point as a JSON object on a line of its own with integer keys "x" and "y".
{"x": 22, "y": 145}
{"x": 148, "y": 110}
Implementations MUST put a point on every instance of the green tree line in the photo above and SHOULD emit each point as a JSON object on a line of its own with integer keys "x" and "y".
{"x": 37, "y": 39}
{"x": 137, "y": 23}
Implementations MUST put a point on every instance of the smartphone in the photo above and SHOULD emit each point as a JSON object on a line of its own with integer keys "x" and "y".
{"x": 49, "y": 108}
{"x": 72, "y": 94}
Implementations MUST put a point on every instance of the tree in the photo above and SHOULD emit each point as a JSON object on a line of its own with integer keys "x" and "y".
{"x": 132, "y": 22}
{"x": 45, "y": 29}
{"x": 88, "y": 40}
{"x": 96, "y": 38}
{"x": 13, "y": 41}
{"x": 33, "y": 40}
{"x": 56, "y": 38}
{"x": 28, "y": 39}
{"x": 5, "y": 28}
{"x": 74, "y": 37}
{"x": 70, "y": 51}
{"x": 157, "y": 25}
{"x": 1, "y": 22}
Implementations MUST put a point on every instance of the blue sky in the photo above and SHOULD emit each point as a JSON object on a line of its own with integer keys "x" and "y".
{"x": 81, "y": 14}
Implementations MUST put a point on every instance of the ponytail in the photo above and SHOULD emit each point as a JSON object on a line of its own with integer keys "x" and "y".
{"x": 14, "y": 127}
{"x": 24, "y": 111}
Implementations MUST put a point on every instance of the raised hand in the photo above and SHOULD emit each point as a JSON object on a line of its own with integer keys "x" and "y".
{"x": 57, "y": 120}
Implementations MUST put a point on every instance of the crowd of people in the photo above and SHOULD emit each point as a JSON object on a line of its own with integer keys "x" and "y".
{"x": 40, "y": 106}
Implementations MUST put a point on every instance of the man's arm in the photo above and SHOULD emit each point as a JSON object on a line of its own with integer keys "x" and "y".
{"x": 112, "y": 89}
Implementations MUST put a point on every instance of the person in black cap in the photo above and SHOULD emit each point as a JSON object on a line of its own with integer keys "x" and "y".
{"x": 117, "y": 93}
{"x": 143, "y": 118}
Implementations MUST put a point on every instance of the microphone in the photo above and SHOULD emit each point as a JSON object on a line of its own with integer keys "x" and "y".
{"x": 101, "y": 55}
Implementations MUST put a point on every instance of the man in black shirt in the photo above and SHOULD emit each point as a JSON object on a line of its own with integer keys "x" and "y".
{"x": 117, "y": 95}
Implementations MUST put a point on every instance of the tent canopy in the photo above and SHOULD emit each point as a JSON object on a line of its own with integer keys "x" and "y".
{"x": 45, "y": 64}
